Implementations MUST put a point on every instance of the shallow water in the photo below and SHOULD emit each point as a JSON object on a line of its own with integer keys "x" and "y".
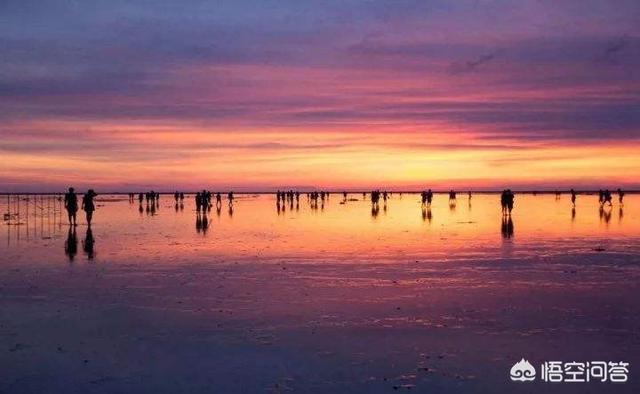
{"x": 400, "y": 231}
{"x": 332, "y": 299}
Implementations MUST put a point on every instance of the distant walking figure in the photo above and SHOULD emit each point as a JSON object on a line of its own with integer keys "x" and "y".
{"x": 573, "y": 197}
{"x": 510, "y": 198}
{"x": 606, "y": 197}
{"x": 620, "y": 196}
{"x": 452, "y": 195}
{"x": 600, "y": 196}
{"x": 88, "y": 205}
{"x": 71, "y": 205}
{"x": 198, "y": 199}
{"x": 230, "y": 198}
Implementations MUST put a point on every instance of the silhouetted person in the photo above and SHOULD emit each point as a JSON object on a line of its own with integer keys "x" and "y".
{"x": 510, "y": 198}
{"x": 423, "y": 197}
{"x": 88, "y": 244}
{"x": 88, "y": 205}
{"x": 607, "y": 197}
{"x": 601, "y": 196}
{"x": 469, "y": 194}
{"x": 230, "y": 198}
{"x": 506, "y": 201}
{"x": 429, "y": 197}
{"x": 620, "y": 196}
{"x": 176, "y": 197}
{"x": 452, "y": 195}
{"x": 140, "y": 198}
{"x": 71, "y": 205}
{"x": 573, "y": 197}
{"x": 198, "y": 199}
{"x": 71, "y": 245}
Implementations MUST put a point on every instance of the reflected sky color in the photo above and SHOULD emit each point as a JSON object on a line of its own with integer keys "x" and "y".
{"x": 261, "y": 95}
{"x": 257, "y": 231}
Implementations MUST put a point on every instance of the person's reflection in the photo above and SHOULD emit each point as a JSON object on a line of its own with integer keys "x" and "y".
{"x": 507, "y": 227}
{"x": 605, "y": 214}
{"x": 205, "y": 224}
{"x": 620, "y": 214}
{"x": 88, "y": 244}
{"x": 601, "y": 213}
{"x": 278, "y": 207}
{"x": 71, "y": 245}
{"x": 573, "y": 214}
{"x": 452, "y": 205}
{"x": 426, "y": 214}
{"x": 375, "y": 210}
{"x": 198, "y": 222}
{"x": 218, "y": 210}
{"x": 176, "y": 207}
{"x": 230, "y": 210}
{"x": 140, "y": 209}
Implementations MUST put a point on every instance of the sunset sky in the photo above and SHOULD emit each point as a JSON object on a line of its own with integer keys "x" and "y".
{"x": 121, "y": 95}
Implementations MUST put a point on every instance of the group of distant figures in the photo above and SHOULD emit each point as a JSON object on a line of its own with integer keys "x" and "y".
{"x": 203, "y": 201}
{"x": 284, "y": 197}
{"x": 506, "y": 201}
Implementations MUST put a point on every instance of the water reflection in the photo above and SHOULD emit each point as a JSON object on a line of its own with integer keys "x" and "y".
{"x": 88, "y": 244}
{"x": 605, "y": 214}
{"x": 71, "y": 245}
{"x": 506, "y": 227}
{"x": 202, "y": 222}
{"x": 355, "y": 228}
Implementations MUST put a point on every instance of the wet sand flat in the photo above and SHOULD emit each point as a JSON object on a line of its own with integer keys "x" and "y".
{"x": 446, "y": 305}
